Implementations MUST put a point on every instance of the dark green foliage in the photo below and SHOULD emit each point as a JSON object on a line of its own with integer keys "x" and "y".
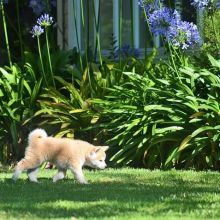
{"x": 19, "y": 90}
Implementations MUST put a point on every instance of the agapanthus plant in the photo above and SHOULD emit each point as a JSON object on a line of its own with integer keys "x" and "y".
{"x": 210, "y": 7}
{"x": 43, "y": 23}
{"x": 167, "y": 23}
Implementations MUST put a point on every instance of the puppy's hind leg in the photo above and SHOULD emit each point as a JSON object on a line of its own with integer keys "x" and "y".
{"x": 60, "y": 175}
{"x": 18, "y": 169}
{"x": 24, "y": 164}
{"x": 32, "y": 174}
{"x": 16, "y": 174}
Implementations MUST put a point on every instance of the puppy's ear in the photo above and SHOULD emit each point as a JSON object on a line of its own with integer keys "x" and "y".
{"x": 104, "y": 148}
{"x": 92, "y": 154}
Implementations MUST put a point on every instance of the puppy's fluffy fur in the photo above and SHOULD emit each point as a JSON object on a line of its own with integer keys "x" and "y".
{"x": 63, "y": 152}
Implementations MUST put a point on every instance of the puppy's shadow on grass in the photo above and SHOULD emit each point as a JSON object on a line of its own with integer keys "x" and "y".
{"x": 99, "y": 199}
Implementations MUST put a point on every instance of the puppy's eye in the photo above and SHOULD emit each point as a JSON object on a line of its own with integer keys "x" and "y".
{"x": 100, "y": 160}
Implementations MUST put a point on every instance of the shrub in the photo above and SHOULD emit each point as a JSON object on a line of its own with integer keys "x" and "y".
{"x": 18, "y": 93}
{"x": 166, "y": 122}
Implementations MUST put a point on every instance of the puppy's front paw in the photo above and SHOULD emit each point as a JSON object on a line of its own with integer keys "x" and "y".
{"x": 84, "y": 182}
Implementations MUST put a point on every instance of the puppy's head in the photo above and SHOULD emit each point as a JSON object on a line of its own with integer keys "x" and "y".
{"x": 96, "y": 158}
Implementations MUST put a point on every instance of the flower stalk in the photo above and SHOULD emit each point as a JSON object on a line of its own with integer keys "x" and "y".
{"x": 97, "y": 23}
{"x": 19, "y": 31}
{"x": 5, "y": 32}
{"x": 36, "y": 32}
{"x": 77, "y": 36}
{"x": 41, "y": 60}
{"x": 48, "y": 56}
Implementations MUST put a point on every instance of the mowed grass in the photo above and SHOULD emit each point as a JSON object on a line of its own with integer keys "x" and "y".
{"x": 113, "y": 194}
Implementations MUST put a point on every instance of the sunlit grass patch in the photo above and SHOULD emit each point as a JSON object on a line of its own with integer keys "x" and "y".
{"x": 113, "y": 194}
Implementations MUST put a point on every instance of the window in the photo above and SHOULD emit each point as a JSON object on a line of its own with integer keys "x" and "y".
{"x": 130, "y": 29}
{"x": 106, "y": 23}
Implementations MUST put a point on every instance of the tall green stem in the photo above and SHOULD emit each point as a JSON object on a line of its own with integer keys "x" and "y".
{"x": 77, "y": 36}
{"x": 19, "y": 31}
{"x": 132, "y": 24}
{"x": 48, "y": 55}
{"x": 6, "y": 33}
{"x": 120, "y": 29}
{"x": 148, "y": 27}
{"x": 41, "y": 60}
{"x": 97, "y": 21}
{"x": 84, "y": 30}
{"x": 172, "y": 60}
{"x": 86, "y": 47}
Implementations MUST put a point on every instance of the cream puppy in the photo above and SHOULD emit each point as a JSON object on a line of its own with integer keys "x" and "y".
{"x": 63, "y": 152}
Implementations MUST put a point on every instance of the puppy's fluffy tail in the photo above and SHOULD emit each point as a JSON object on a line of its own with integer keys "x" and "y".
{"x": 36, "y": 134}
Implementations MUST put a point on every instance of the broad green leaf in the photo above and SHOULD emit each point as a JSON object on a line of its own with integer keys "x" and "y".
{"x": 184, "y": 143}
{"x": 201, "y": 130}
{"x": 158, "y": 108}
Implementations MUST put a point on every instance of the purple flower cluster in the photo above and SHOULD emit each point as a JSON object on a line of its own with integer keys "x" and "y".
{"x": 37, "y": 31}
{"x": 183, "y": 35}
{"x": 43, "y": 21}
{"x": 167, "y": 23}
{"x": 200, "y": 4}
{"x": 38, "y": 6}
{"x": 161, "y": 20}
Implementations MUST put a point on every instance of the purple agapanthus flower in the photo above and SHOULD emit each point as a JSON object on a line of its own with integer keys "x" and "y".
{"x": 161, "y": 19}
{"x": 167, "y": 23}
{"x": 37, "y": 31}
{"x": 45, "y": 20}
{"x": 200, "y": 4}
{"x": 37, "y": 6}
{"x": 183, "y": 35}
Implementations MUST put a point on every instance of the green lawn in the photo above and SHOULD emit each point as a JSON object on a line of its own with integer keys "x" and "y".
{"x": 113, "y": 194}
